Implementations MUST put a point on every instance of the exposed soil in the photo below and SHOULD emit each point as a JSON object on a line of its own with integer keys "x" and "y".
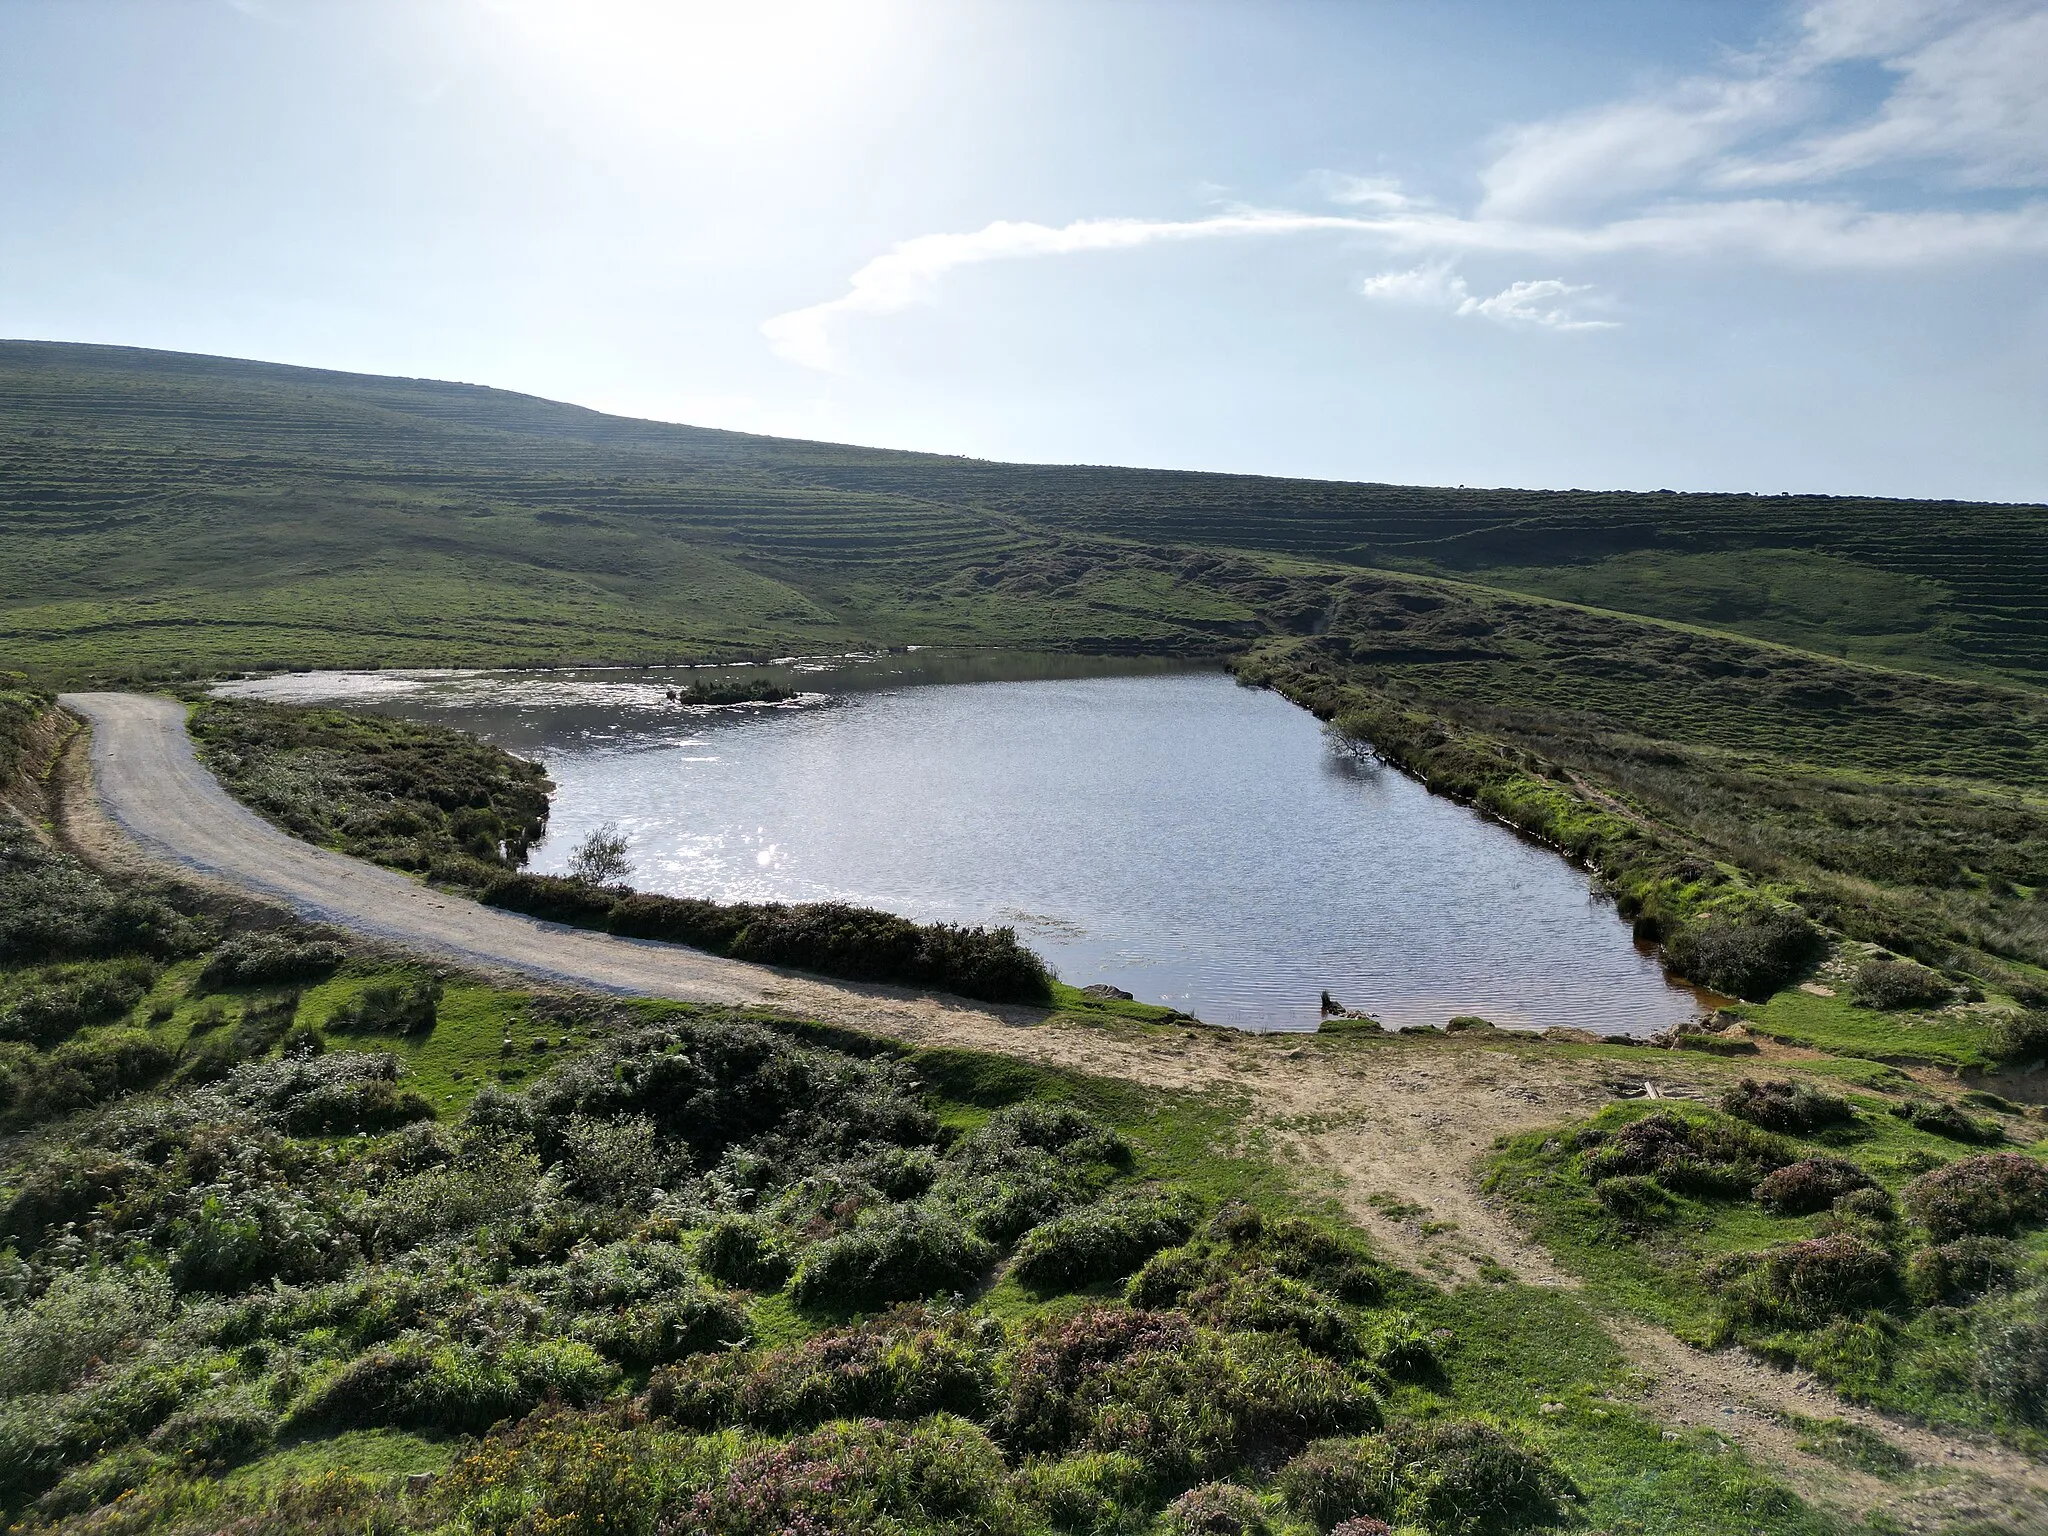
{"x": 1391, "y": 1127}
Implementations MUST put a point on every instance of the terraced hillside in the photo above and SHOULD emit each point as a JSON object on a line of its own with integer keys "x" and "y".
{"x": 166, "y": 512}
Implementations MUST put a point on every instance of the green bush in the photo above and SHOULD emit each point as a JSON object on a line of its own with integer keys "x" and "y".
{"x": 216, "y": 1432}
{"x": 1789, "y": 1108}
{"x": 2011, "y": 1365}
{"x": 744, "y": 1252}
{"x": 1967, "y": 1267}
{"x": 2020, "y": 1037}
{"x": 1709, "y": 1157}
{"x": 829, "y": 938}
{"x": 1635, "y": 1197}
{"x": 1102, "y": 1241}
{"x": 64, "y": 1186}
{"x": 1095, "y": 1495}
{"x": 938, "y": 1477}
{"x": 1941, "y": 1118}
{"x": 1807, "y": 1284}
{"x": 1812, "y": 1184}
{"x": 421, "y": 1383}
{"x": 84, "y": 1317}
{"x": 900, "y": 1253}
{"x": 269, "y": 960}
{"x": 1468, "y": 1478}
{"x": 65, "y": 1001}
{"x": 93, "y": 1070}
{"x": 1457, "y": 1476}
{"x": 1893, "y": 984}
{"x": 390, "y": 1008}
{"x": 53, "y": 908}
{"x": 1217, "y": 1509}
{"x": 1184, "y": 1401}
{"x": 1988, "y": 1195}
{"x": 901, "y": 1366}
{"x": 1338, "y": 1480}
{"x": 1747, "y": 951}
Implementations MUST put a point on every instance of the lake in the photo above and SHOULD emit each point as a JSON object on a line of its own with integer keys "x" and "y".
{"x": 1161, "y": 829}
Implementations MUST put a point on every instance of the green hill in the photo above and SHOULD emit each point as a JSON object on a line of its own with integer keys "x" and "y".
{"x": 167, "y": 512}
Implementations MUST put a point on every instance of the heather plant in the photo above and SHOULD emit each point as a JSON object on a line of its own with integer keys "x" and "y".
{"x": 1895, "y": 984}
{"x": 1794, "y": 1108}
{"x": 903, "y": 1365}
{"x": 390, "y": 1007}
{"x": 1699, "y": 1157}
{"x": 1989, "y": 1195}
{"x": 268, "y": 960}
{"x": 1811, "y": 1184}
{"x": 1808, "y": 1284}
{"x": 1102, "y": 1241}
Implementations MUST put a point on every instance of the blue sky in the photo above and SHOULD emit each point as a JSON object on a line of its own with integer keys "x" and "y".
{"x": 1705, "y": 244}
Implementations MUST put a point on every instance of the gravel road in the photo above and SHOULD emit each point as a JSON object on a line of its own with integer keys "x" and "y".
{"x": 153, "y": 786}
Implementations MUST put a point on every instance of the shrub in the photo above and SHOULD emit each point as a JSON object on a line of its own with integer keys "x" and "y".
{"x": 1184, "y": 1401}
{"x": 1217, "y": 1509}
{"x": 1941, "y": 1118}
{"x": 1748, "y": 951}
{"x": 1261, "y": 1300}
{"x": 1969, "y": 1266}
{"x": 830, "y": 938}
{"x": 390, "y": 1008}
{"x": 1805, "y": 1284}
{"x": 63, "y": 1004}
{"x": 1467, "y": 1478}
{"x": 1790, "y": 1108}
{"x": 1811, "y": 1185}
{"x": 216, "y": 1432}
{"x": 1891, "y": 984}
{"x": 685, "y": 1320}
{"x": 1102, "y": 1241}
{"x": 744, "y": 1252}
{"x": 900, "y": 1253}
{"x": 62, "y": 1187}
{"x": 2011, "y": 1365}
{"x": 563, "y": 1474}
{"x": 1338, "y": 1480}
{"x": 85, "y": 1316}
{"x": 268, "y": 960}
{"x": 1635, "y": 1197}
{"x": 902, "y": 1366}
{"x": 2020, "y": 1037}
{"x": 939, "y": 1477}
{"x": 623, "y": 1160}
{"x": 52, "y": 908}
{"x": 1867, "y": 1204}
{"x": 1996, "y": 1193}
{"x": 96, "y": 1069}
{"x": 1701, "y": 1158}
{"x": 1363, "y": 1525}
{"x": 457, "y": 1388}
{"x": 1088, "y": 1495}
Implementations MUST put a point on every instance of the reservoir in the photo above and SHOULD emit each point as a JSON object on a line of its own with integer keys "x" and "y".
{"x": 1164, "y": 830}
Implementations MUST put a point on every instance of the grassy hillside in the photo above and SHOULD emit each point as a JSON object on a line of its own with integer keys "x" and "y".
{"x": 165, "y": 512}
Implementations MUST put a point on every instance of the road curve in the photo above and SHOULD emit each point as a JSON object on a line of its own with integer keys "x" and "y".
{"x": 150, "y": 782}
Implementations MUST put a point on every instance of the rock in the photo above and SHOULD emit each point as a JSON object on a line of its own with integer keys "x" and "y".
{"x": 1566, "y": 1033}
{"x": 1102, "y": 991}
{"x": 1465, "y": 1021}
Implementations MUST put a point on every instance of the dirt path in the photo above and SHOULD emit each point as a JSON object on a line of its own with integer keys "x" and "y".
{"x": 1392, "y": 1129}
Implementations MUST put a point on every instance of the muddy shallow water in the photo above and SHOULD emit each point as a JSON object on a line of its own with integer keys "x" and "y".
{"x": 1164, "y": 830}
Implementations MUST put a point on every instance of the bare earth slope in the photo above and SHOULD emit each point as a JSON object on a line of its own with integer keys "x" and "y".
{"x": 1391, "y": 1129}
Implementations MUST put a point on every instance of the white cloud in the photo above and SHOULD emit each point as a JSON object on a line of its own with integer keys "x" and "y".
{"x": 1975, "y": 97}
{"x": 1650, "y": 176}
{"x": 908, "y": 273}
{"x": 1537, "y": 302}
{"x": 1434, "y": 286}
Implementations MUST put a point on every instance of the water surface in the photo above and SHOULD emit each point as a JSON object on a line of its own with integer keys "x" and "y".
{"x": 1164, "y": 830}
